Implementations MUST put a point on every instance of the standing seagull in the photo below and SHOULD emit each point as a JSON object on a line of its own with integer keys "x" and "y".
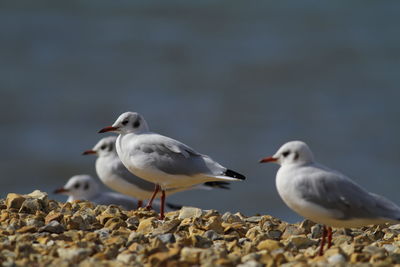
{"x": 114, "y": 174}
{"x": 326, "y": 196}
{"x": 161, "y": 160}
{"x": 85, "y": 187}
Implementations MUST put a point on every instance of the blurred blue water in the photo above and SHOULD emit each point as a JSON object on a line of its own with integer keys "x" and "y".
{"x": 234, "y": 80}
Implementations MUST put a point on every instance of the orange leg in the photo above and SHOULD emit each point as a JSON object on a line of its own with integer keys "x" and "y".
{"x": 162, "y": 205}
{"x": 329, "y": 237}
{"x": 149, "y": 205}
{"x": 322, "y": 244}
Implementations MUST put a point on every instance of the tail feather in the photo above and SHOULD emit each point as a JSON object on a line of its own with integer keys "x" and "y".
{"x": 234, "y": 174}
{"x": 223, "y": 185}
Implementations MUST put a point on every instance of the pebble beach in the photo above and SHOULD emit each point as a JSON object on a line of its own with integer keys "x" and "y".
{"x": 38, "y": 231}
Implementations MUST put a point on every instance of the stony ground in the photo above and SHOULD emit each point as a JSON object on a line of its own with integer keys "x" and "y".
{"x": 36, "y": 231}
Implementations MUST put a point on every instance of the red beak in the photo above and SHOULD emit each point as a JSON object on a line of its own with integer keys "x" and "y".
{"x": 108, "y": 129}
{"x": 88, "y": 152}
{"x": 60, "y": 191}
{"x": 268, "y": 159}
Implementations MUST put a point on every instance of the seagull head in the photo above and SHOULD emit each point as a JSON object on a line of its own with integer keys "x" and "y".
{"x": 82, "y": 187}
{"x": 104, "y": 147}
{"x": 293, "y": 152}
{"x": 128, "y": 122}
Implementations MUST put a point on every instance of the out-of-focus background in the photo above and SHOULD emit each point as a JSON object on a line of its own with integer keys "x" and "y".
{"x": 234, "y": 80}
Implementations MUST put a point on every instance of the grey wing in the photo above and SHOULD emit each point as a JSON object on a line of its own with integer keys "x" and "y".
{"x": 335, "y": 191}
{"x": 111, "y": 198}
{"x": 173, "y": 157}
{"x": 388, "y": 208}
{"x": 120, "y": 170}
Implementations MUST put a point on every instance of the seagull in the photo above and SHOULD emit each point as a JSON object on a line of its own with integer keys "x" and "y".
{"x": 85, "y": 187}
{"x": 161, "y": 160}
{"x": 114, "y": 174}
{"x": 326, "y": 196}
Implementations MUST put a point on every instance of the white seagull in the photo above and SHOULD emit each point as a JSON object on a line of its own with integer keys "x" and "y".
{"x": 161, "y": 160}
{"x": 114, "y": 174}
{"x": 326, "y": 196}
{"x": 85, "y": 187}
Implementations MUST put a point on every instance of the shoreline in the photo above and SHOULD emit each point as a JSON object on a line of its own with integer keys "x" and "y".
{"x": 37, "y": 231}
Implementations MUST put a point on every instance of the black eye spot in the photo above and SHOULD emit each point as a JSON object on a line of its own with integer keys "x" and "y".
{"x": 86, "y": 187}
{"x": 103, "y": 147}
{"x": 296, "y": 155}
{"x": 110, "y": 147}
{"x": 136, "y": 124}
{"x": 125, "y": 122}
{"x": 286, "y": 153}
{"x": 77, "y": 185}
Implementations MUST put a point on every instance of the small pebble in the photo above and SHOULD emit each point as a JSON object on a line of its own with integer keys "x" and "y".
{"x": 52, "y": 227}
{"x": 167, "y": 238}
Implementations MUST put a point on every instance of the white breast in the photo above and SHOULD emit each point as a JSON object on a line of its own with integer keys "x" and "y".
{"x": 137, "y": 161}
{"x": 104, "y": 169}
{"x": 286, "y": 180}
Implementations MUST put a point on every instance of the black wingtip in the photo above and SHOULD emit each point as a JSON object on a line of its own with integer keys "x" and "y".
{"x": 234, "y": 174}
{"x": 173, "y": 206}
{"x": 222, "y": 185}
